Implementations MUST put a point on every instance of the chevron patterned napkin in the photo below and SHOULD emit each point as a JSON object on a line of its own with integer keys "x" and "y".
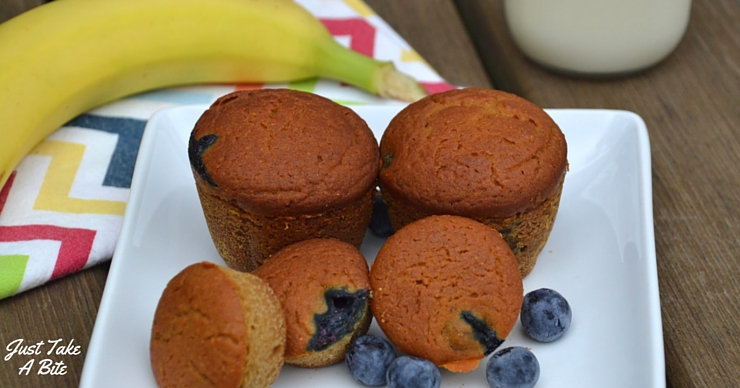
{"x": 61, "y": 210}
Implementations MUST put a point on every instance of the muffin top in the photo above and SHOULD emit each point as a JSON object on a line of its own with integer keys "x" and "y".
{"x": 283, "y": 152}
{"x": 446, "y": 288}
{"x": 323, "y": 287}
{"x": 201, "y": 330}
{"x": 473, "y": 152}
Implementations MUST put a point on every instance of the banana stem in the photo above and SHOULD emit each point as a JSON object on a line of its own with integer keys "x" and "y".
{"x": 381, "y": 78}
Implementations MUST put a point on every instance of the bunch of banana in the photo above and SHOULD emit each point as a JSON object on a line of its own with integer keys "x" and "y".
{"x": 69, "y": 56}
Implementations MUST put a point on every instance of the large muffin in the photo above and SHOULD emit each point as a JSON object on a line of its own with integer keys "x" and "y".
{"x": 277, "y": 166}
{"x": 323, "y": 287}
{"x": 478, "y": 153}
{"x": 446, "y": 288}
{"x": 217, "y": 327}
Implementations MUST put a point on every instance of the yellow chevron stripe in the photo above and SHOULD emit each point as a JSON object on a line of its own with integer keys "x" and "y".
{"x": 54, "y": 194}
{"x": 412, "y": 56}
{"x": 360, "y": 7}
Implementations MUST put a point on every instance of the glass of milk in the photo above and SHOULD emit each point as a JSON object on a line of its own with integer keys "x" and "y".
{"x": 597, "y": 37}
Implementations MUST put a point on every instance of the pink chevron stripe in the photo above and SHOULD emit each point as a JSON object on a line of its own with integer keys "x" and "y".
{"x": 6, "y": 190}
{"x": 73, "y": 252}
{"x": 361, "y": 32}
{"x": 437, "y": 87}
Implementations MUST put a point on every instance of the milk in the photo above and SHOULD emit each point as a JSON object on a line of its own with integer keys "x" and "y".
{"x": 597, "y": 36}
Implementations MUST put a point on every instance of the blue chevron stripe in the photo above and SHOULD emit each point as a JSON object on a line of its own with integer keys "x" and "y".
{"x": 177, "y": 96}
{"x": 129, "y": 131}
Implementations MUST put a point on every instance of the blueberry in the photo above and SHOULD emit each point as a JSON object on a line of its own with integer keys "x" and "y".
{"x": 513, "y": 367}
{"x": 380, "y": 223}
{"x": 545, "y": 315}
{"x": 413, "y": 372}
{"x": 196, "y": 148}
{"x": 344, "y": 309}
{"x": 368, "y": 358}
{"x": 483, "y": 333}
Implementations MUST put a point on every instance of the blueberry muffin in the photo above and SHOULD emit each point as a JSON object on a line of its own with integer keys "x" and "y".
{"x": 277, "y": 166}
{"x": 215, "y": 326}
{"x": 323, "y": 287}
{"x": 478, "y": 153}
{"x": 446, "y": 288}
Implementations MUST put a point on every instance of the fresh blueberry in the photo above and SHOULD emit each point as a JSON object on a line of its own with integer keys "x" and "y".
{"x": 380, "y": 223}
{"x": 368, "y": 358}
{"x": 514, "y": 367}
{"x": 413, "y": 372}
{"x": 545, "y": 315}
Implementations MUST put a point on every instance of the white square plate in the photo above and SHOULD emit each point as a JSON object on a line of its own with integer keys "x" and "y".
{"x": 600, "y": 256}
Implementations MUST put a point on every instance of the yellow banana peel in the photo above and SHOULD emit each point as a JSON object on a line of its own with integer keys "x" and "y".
{"x": 68, "y": 56}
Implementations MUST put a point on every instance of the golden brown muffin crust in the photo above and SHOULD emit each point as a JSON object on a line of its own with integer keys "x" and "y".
{"x": 433, "y": 277}
{"x": 280, "y": 151}
{"x": 216, "y": 327}
{"x": 301, "y": 274}
{"x": 472, "y": 152}
{"x": 200, "y": 300}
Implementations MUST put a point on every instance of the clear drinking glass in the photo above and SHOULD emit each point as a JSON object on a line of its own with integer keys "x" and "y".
{"x": 597, "y": 37}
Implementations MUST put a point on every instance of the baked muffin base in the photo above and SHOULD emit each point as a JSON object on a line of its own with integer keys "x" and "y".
{"x": 525, "y": 232}
{"x": 215, "y": 326}
{"x": 245, "y": 239}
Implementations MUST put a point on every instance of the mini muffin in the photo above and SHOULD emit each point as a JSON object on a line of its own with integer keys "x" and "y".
{"x": 217, "y": 327}
{"x": 478, "y": 153}
{"x": 277, "y": 166}
{"x": 323, "y": 287}
{"x": 448, "y": 289}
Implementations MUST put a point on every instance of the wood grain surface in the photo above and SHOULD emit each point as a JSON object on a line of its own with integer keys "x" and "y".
{"x": 691, "y": 105}
{"x": 10, "y": 8}
{"x": 62, "y": 309}
{"x": 66, "y": 308}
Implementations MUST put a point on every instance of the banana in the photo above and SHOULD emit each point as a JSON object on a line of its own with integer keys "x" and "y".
{"x": 69, "y": 56}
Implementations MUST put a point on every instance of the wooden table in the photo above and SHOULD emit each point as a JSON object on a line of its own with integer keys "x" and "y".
{"x": 691, "y": 105}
